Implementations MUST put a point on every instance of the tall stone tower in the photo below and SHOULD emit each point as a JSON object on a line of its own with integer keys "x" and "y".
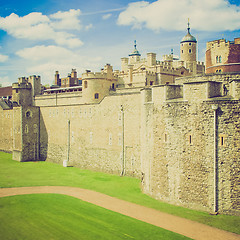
{"x": 188, "y": 51}
{"x": 26, "y": 119}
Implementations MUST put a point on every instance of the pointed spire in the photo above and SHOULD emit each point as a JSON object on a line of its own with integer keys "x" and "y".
{"x": 188, "y": 26}
{"x": 135, "y": 44}
{"x": 135, "y": 51}
{"x": 188, "y": 37}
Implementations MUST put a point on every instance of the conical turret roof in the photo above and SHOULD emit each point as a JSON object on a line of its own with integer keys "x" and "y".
{"x": 135, "y": 51}
{"x": 188, "y": 37}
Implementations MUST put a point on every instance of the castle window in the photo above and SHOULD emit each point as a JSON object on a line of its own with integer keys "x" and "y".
{"x": 182, "y": 51}
{"x": 113, "y": 86}
{"x": 96, "y": 95}
{"x": 26, "y": 128}
{"x": 85, "y": 84}
{"x": 165, "y": 137}
{"x": 220, "y": 59}
{"x": 217, "y": 59}
{"x": 35, "y": 128}
{"x": 110, "y": 139}
{"x": 190, "y": 139}
{"x": 28, "y": 114}
{"x": 222, "y": 140}
{"x": 190, "y": 44}
{"x": 16, "y": 90}
{"x": 190, "y": 51}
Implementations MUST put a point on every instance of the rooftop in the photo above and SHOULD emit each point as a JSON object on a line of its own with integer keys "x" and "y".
{"x": 5, "y": 91}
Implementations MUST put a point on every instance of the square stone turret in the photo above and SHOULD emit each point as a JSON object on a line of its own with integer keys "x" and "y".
{"x": 22, "y": 92}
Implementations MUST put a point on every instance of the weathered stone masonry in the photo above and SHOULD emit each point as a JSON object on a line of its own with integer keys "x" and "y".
{"x": 164, "y": 134}
{"x": 180, "y": 148}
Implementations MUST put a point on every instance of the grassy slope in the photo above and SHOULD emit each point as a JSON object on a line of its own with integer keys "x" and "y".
{"x": 15, "y": 174}
{"x": 54, "y": 216}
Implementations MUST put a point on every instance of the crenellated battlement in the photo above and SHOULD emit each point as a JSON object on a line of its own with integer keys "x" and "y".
{"x": 22, "y": 84}
{"x": 218, "y": 43}
{"x": 94, "y": 75}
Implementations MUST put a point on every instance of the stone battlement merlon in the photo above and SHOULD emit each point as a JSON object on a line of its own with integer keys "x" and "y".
{"x": 24, "y": 85}
{"x": 98, "y": 75}
{"x": 35, "y": 77}
{"x": 92, "y": 75}
{"x": 222, "y": 42}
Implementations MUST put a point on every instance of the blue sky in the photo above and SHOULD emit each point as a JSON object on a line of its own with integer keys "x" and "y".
{"x": 40, "y": 37}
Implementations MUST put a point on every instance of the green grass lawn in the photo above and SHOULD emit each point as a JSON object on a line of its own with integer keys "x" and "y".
{"x": 55, "y": 216}
{"x": 15, "y": 174}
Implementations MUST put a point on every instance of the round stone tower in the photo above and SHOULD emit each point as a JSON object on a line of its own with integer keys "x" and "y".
{"x": 95, "y": 86}
{"x": 188, "y": 48}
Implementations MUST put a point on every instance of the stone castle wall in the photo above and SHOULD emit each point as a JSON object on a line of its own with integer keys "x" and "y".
{"x": 57, "y": 99}
{"x": 163, "y": 134}
{"x": 95, "y": 134}
{"x": 180, "y": 170}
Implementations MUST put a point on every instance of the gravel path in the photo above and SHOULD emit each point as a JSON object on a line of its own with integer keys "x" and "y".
{"x": 179, "y": 225}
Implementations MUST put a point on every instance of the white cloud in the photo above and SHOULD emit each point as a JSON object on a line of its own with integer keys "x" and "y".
{"x": 14, "y": 24}
{"x": 46, "y": 53}
{"x": 3, "y": 58}
{"x": 67, "y": 39}
{"x": 47, "y": 71}
{"x": 45, "y": 60}
{"x": 67, "y": 20}
{"x": 214, "y": 15}
{"x": 88, "y": 27}
{"x": 36, "y": 26}
{"x": 106, "y": 16}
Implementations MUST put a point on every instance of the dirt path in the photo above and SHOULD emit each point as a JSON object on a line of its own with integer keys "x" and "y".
{"x": 179, "y": 225}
